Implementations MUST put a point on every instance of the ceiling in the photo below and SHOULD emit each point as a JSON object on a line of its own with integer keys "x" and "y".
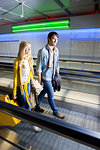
{"x": 19, "y": 11}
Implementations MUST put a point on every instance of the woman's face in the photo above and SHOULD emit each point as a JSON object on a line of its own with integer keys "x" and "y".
{"x": 27, "y": 49}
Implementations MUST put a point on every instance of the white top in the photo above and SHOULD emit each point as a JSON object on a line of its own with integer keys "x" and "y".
{"x": 25, "y": 71}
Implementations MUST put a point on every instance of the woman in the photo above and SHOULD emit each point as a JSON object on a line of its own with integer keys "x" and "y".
{"x": 23, "y": 75}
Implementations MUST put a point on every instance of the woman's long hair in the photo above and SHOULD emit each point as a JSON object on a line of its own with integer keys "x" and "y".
{"x": 21, "y": 56}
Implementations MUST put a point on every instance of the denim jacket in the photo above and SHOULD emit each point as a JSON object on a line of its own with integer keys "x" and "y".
{"x": 42, "y": 63}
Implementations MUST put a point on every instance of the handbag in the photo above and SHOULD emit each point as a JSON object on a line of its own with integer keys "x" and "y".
{"x": 36, "y": 88}
{"x": 7, "y": 120}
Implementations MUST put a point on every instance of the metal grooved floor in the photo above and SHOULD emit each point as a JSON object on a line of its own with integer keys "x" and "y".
{"x": 46, "y": 140}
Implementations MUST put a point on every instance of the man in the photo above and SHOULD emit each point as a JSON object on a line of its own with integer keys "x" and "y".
{"x": 47, "y": 66}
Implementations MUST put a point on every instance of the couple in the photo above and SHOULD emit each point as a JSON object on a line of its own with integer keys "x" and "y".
{"x": 47, "y": 65}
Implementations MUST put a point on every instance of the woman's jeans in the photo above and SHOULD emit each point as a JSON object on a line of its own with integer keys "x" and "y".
{"x": 49, "y": 90}
{"x": 22, "y": 98}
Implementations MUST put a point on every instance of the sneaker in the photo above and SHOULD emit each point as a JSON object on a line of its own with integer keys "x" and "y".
{"x": 59, "y": 115}
{"x": 36, "y": 129}
{"x": 38, "y": 109}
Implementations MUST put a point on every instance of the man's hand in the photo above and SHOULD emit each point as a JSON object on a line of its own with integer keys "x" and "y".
{"x": 39, "y": 78}
{"x": 57, "y": 71}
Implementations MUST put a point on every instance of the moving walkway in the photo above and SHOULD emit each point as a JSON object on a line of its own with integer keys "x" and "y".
{"x": 82, "y": 114}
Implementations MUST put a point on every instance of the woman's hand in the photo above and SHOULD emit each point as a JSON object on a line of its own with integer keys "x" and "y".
{"x": 14, "y": 97}
{"x": 21, "y": 89}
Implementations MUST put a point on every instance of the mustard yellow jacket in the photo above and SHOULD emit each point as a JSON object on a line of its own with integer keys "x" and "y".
{"x": 16, "y": 77}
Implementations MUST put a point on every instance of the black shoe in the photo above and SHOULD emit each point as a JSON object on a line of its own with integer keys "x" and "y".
{"x": 59, "y": 115}
{"x": 38, "y": 109}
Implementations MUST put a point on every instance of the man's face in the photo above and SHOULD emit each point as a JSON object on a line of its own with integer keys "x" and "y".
{"x": 53, "y": 41}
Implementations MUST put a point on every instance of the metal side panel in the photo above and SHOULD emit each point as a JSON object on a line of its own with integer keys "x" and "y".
{"x": 10, "y": 137}
{"x": 4, "y": 145}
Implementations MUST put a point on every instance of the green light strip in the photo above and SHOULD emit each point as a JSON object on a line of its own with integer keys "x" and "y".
{"x": 42, "y": 26}
{"x": 41, "y": 29}
{"x": 55, "y": 23}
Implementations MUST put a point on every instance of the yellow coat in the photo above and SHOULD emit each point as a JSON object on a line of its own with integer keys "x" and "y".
{"x": 16, "y": 77}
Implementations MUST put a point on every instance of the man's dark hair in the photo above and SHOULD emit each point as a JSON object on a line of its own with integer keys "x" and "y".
{"x": 53, "y": 33}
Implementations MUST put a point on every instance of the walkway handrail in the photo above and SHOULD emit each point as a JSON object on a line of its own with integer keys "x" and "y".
{"x": 80, "y": 61}
{"x": 73, "y": 132}
{"x": 79, "y": 70}
{"x": 10, "y": 65}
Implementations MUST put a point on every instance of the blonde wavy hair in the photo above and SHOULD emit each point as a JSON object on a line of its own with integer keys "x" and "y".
{"x": 21, "y": 56}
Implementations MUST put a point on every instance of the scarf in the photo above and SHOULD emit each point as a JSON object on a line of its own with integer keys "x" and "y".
{"x": 52, "y": 60}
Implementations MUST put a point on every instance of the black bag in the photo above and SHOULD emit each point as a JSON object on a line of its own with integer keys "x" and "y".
{"x": 56, "y": 82}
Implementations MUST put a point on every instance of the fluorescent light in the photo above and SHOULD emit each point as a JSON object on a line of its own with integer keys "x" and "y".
{"x": 41, "y": 29}
{"x": 63, "y": 24}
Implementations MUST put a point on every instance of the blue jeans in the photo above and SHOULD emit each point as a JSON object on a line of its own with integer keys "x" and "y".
{"x": 22, "y": 98}
{"x": 49, "y": 90}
